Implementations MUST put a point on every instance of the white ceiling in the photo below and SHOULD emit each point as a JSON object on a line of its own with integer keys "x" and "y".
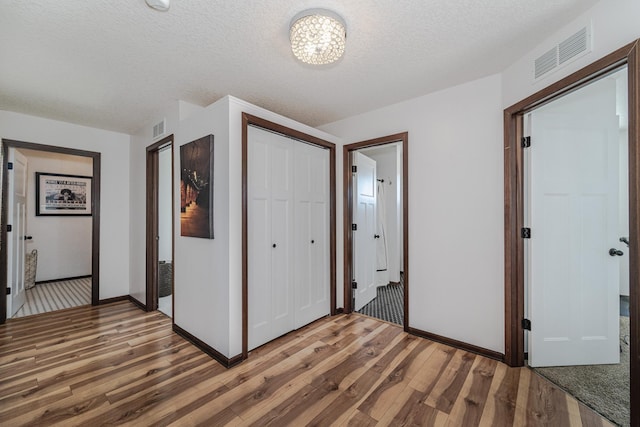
{"x": 117, "y": 64}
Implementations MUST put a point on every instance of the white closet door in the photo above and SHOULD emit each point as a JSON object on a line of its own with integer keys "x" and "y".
{"x": 311, "y": 233}
{"x": 270, "y": 212}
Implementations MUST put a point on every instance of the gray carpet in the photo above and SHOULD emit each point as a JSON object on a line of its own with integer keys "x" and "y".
{"x": 605, "y": 388}
{"x": 53, "y": 296}
{"x": 387, "y": 305}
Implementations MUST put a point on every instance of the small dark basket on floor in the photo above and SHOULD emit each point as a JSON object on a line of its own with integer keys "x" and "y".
{"x": 165, "y": 278}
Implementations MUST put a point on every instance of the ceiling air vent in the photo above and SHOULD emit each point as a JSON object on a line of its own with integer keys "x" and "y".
{"x": 158, "y": 129}
{"x": 573, "y": 47}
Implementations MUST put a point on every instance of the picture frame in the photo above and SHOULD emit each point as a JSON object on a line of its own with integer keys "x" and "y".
{"x": 63, "y": 195}
{"x": 196, "y": 188}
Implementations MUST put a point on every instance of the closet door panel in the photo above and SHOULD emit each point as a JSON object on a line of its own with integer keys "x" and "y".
{"x": 312, "y": 234}
{"x": 259, "y": 242}
{"x": 281, "y": 274}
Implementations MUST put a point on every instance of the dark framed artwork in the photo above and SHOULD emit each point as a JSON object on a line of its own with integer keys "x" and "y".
{"x": 62, "y": 195}
{"x": 196, "y": 188}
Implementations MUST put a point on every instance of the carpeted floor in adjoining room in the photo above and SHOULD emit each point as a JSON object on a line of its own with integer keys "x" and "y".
{"x": 605, "y": 388}
{"x": 53, "y": 296}
{"x": 388, "y": 304}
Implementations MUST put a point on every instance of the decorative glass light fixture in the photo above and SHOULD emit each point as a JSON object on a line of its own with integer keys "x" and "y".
{"x": 318, "y": 36}
{"x": 161, "y": 5}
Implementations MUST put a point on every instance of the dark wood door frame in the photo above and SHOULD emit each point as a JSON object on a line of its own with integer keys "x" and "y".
{"x": 95, "y": 218}
{"x": 514, "y": 208}
{"x": 250, "y": 120}
{"x": 152, "y": 210}
{"x": 347, "y": 151}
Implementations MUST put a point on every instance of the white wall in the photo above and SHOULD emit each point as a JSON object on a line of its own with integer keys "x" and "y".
{"x": 63, "y": 242}
{"x": 201, "y": 275}
{"x": 615, "y": 23}
{"x": 114, "y": 189}
{"x": 456, "y": 267}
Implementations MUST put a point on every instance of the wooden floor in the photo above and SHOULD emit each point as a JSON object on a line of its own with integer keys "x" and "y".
{"x": 115, "y": 364}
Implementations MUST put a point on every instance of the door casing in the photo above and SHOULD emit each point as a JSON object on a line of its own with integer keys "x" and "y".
{"x": 347, "y": 151}
{"x": 95, "y": 217}
{"x": 153, "y": 162}
{"x": 514, "y": 204}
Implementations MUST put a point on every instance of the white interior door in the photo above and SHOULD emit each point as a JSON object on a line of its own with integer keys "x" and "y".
{"x": 573, "y": 280}
{"x": 17, "y": 214}
{"x": 311, "y": 233}
{"x": 270, "y": 237}
{"x": 364, "y": 243}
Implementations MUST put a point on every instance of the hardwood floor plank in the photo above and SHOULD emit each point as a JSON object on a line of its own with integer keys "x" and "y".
{"x": 118, "y": 365}
{"x": 589, "y": 418}
{"x": 359, "y": 419}
{"x": 427, "y": 378}
{"x": 446, "y": 390}
{"x": 468, "y": 408}
{"x": 381, "y": 398}
{"x": 415, "y": 412}
{"x": 10, "y": 410}
{"x": 501, "y": 401}
{"x": 547, "y": 405}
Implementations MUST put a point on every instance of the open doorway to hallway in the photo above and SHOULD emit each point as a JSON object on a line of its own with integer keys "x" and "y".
{"x": 50, "y": 240}
{"x": 375, "y": 228}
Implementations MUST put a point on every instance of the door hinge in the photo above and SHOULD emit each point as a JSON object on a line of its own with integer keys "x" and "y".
{"x": 526, "y": 324}
{"x": 354, "y": 285}
{"x": 8, "y": 290}
{"x": 526, "y": 141}
{"x": 10, "y": 165}
{"x": 354, "y": 227}
{"x": 354, "y": 169}
{"x": 9, "y": 228}
{"x": 525, "y": 232}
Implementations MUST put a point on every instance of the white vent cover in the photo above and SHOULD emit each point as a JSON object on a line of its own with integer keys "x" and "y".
{"x": 158, "y": 129}
{"x": 573, "y": 47}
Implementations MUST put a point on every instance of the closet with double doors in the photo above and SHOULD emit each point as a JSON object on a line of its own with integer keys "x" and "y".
{"x": 288, "y": 235}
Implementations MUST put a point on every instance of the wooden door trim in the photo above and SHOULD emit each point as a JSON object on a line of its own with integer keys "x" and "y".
{"x": 514, "y": 208}
{"x": 347, "y": 177}
{"x": 151, "y": 261}
{"x": 95, "y": 217}
{"x": 251, "y": 120}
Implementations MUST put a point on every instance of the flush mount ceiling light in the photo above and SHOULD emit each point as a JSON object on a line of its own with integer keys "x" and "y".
{"x": 318, "y": 36}
{"x": 161, "y": 5}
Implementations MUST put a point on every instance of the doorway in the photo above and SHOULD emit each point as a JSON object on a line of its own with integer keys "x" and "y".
{"x": 575, "y": 171}
{"x": 5, "y": 281}
{"x": 160, "y": 227}
{"x": 376, "y": 228}
{"x": 515, "y": 215}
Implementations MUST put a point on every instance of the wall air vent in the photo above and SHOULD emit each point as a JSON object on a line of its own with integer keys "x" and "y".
{"x": 546, "y": 62}
{"x": 572, "y": 47}
{"x": 158, "y": 129}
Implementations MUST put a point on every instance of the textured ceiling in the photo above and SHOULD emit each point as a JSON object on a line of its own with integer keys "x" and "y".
{"x": 116, "y": 64}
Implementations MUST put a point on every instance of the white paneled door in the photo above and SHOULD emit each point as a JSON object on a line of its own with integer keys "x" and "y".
{"x": 288, "y": 235}
{"x": 364, "y": 242}
{"x": 17, "y": 214}
{"x": 573, "y": 267}
{"x": 311, "y": 233}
